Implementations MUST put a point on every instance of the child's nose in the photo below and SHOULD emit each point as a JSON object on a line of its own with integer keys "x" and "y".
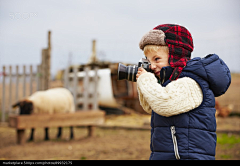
{"x": 153, "y": 66}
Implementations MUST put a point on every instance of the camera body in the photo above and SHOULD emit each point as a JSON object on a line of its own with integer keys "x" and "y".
{"x": 129, "y": 72}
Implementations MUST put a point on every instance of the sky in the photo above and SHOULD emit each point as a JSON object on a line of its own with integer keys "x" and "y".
{"x": 117, "y": 26}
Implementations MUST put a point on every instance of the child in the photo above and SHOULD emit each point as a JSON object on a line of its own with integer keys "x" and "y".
{"x": 180, "y": 94}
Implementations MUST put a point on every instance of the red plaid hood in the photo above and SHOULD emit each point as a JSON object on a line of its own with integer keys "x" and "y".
{"x": 180, "y": 44}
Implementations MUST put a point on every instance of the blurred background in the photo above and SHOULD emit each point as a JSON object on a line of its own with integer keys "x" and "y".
{"x": 116, "y": 27}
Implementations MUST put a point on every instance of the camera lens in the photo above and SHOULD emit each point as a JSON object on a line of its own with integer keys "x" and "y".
{"x": 132, "y": 72}
{"x": 127, "y": 72}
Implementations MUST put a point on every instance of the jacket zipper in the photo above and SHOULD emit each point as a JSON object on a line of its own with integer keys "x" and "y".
{"x": 173, "y": 131}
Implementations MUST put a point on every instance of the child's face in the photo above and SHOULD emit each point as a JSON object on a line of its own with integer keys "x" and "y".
{"x": 158, "y": 60}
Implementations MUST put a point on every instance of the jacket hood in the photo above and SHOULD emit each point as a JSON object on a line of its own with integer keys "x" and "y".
{"x": 213, "y": 70}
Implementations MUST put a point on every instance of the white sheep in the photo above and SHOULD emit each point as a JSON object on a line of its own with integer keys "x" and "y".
{"x": 56, "y": 100}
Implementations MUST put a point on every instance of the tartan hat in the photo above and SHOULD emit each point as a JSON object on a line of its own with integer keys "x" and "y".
{"x": 179, "y": 41}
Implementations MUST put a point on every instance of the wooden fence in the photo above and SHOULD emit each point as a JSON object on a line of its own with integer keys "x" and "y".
{"x": 83, "y": 86}
{"x": 22, "y": 83}
{"x": 17, "y": 85}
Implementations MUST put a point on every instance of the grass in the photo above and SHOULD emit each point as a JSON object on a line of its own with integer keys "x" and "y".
{"x": 228, "y": 139}
{"x": 83, "y": 158}
{"x": 225, "y": 156}
{"x": 228, "y": 146}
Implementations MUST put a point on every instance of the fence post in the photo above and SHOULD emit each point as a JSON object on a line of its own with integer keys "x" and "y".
{"x": 38, "y": 79}
{"x": 10, "y": 90}
{"x": 95, "y": 93}
{"x": 45, "y": 65}
{"x": 3, "y": 95}
{"x": 66, "y": 77}
{"x": 31, "y": 79}
{"x": 17, "y": 85}
{"x": 85, "y": 88}
{"x": 43, "y": 70}
{"x": 24, "y": 81}
{"x": 75, "y": 82}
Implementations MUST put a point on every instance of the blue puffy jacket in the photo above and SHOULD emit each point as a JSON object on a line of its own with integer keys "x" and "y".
{"x": 191, "y": 135}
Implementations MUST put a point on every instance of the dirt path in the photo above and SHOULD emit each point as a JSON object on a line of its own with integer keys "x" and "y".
{"x": 114, "y": 144}
{"x": 107, "y": 144}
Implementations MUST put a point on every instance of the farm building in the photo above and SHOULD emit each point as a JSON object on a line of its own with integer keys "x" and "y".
{"x": 114, "y": 96}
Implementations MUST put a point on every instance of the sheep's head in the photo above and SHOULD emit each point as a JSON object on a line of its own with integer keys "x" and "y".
{"x": 26, "y": 106}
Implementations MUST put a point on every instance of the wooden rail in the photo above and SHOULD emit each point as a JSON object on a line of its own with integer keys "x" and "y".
{"x": 79, "y": 118}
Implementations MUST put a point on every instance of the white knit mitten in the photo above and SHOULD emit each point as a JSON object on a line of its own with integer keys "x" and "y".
{"x": 179, "y": 96}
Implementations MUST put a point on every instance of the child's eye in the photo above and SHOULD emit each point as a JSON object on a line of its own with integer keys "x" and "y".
{"x": 156, "y": 59}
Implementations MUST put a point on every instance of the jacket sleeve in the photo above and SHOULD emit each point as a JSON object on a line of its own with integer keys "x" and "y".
{"x": 143, "y": 102}
{"x": 179, "y": 96}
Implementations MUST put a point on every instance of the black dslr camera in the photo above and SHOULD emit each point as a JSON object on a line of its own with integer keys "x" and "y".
{"x": 129, "y": 72}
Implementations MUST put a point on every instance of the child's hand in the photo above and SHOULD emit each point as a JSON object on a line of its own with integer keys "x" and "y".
{"x": 140, "y": 71}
